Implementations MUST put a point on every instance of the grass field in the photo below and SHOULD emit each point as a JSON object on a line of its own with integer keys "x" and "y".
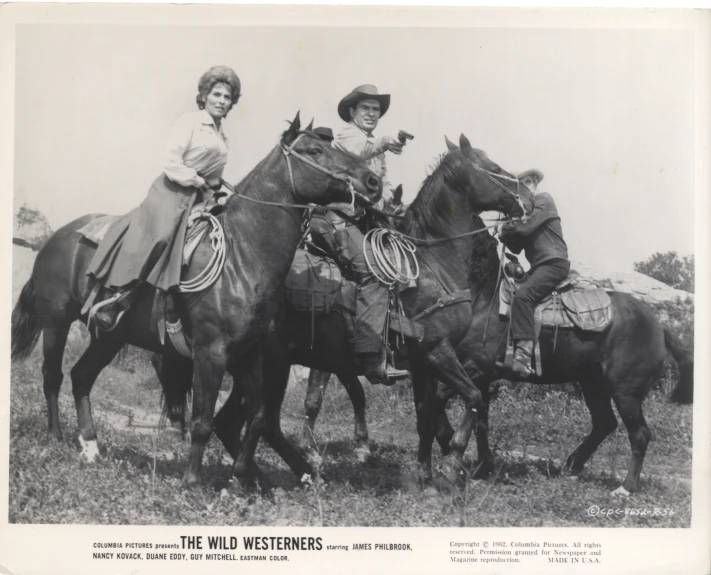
{"x": 137, "y": 478}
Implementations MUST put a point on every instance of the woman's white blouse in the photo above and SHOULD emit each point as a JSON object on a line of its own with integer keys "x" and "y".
{"x": 197, "y": 151}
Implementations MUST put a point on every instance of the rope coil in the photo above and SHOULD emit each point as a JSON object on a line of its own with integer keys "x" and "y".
{"x": 394, "y": 256}
{"x": 213, "y": 269}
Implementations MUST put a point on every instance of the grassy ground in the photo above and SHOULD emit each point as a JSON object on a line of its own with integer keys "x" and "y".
{"x": 137, "y": 479}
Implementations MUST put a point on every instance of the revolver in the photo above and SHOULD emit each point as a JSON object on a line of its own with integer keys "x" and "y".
{"x": 403, "y": 136}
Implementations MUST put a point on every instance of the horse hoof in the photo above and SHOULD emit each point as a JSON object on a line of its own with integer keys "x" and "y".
{"x": 89, "y": 449}
{"x": 362, "y": 453}
{"x": 620, "y": 492}
{"x": 483, "y": 471}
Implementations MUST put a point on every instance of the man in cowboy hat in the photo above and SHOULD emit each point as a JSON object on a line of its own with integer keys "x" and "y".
{"x": 342, "y": 234}
{"x": 362, "y": 110}
{"x": 541, "y": 238}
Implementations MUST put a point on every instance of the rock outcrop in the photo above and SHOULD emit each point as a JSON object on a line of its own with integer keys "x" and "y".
{"x": 639, "y": 285}
{"x": 31, "y": 229}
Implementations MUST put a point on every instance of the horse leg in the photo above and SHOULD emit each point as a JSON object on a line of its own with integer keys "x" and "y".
{"x": 175, "y": 374}
{"x": 318, "y": 381}
{"x": 597, "y": 397}
{"x": 275, "y": 381}
{"x": 228, "y": 424}
{"x": 444, "y": 431}
{"x": 209, "y": 368}
{"x": 250, "y": 374}
{"x": 230, "y": 420}
{"x": 630, "y": 410}
{"x": 421, "y": 388}
{"x": 360, "y": 433}
{"x": 84, "y": 373}
{"x": 54, "y": 340}
{"x": 445, "y": 365}
{"x": 485, "y": 463}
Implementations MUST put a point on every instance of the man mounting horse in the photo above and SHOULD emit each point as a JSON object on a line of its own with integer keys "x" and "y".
{"x": 341, "y": 235}
{"x": 541, "y": 239}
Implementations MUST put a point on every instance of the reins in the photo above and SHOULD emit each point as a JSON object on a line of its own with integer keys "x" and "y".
{"x": 435, "y": 241}
{"x": 213, "y": 269}
{"x": 289, "y": 151}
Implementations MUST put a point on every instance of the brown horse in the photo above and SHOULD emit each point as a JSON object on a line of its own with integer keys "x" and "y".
{"x": 619, "y": 365}
{"x": 463, "y": 184}
{"x": 227, "y": 319}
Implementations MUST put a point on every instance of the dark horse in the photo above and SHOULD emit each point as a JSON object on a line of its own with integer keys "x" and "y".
{"x": 618, "y": 365}
{"x": 462, "y": 185}
{"x": 226, "y": 320}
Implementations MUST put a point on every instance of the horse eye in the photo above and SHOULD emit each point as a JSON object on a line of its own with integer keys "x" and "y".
{"x": 313, "y": 151}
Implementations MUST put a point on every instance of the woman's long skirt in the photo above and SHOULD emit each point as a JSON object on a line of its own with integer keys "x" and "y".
{"x": 147, "y": 243}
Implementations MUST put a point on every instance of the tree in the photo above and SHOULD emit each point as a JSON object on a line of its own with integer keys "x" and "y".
{"x": 669, "y": 268}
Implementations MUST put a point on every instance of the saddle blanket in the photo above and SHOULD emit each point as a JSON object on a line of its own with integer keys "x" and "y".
{"x": 95, "y": 231}
{"x": 586, "y": 307}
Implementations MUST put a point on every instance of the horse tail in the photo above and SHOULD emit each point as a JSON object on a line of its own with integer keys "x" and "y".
{"x": 26, "y": 326}
{"x": 684, "y": 390}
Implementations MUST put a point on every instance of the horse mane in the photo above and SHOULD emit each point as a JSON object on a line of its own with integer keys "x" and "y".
{"x": 429, "y": 213}
{"x": 257, "y": 169}
{"x": 483, "y": 269}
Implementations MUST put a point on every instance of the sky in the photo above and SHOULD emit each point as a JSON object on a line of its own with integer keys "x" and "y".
{"x": 607, "y": 115}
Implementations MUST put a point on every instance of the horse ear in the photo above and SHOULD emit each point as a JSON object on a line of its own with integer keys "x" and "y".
{"x": 464, "y": 142}
{"x": 451, "y": 146}
{"x": 397, "y": 195}
{"x": 293, "y": 131}
{"x": 310, "y": 127}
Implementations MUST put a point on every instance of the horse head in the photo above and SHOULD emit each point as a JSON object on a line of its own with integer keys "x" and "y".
{"x": 324, "y": 175}
{"x": 491, "y": 187}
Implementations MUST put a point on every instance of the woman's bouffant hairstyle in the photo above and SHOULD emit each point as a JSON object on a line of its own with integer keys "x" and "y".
{"x": 218, "y": 75}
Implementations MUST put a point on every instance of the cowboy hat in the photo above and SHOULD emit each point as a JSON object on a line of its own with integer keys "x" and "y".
{"x": 364, "y": 92}
{"x": 325, "y": 134}
{"x": 533, "y": 173}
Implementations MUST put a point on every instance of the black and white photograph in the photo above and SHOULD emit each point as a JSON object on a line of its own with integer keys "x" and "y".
{"x": 387, "y": 272}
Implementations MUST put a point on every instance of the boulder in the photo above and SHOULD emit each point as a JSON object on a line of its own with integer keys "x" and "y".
{"x": 31, "y": 229}
{"x": 639, "y": 285}
{"x": 23, "y": 259}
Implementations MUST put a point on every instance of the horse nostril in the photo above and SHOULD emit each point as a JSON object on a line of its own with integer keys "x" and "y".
{"x": 373, "y": 183}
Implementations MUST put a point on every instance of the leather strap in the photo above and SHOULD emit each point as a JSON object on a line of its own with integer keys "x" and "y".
{"x": 461, "y": 296}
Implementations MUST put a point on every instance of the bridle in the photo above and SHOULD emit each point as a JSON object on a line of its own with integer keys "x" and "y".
{"x": 491, "y": 177}
{"x": 288, "y": 152}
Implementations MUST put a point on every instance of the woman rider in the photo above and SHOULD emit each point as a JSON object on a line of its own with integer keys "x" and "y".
{"x": 146, "y": 245}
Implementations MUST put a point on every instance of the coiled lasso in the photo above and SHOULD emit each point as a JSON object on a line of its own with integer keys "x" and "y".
{"x": 213, "y": 269}
{"x": 394, "y": 256}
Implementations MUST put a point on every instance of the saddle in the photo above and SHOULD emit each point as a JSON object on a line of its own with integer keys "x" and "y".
{"x": 95, "y": 231}
{"x": 316, "y": 286}
{"x": 164, "y": 310}
{"x": 573, "y": 304}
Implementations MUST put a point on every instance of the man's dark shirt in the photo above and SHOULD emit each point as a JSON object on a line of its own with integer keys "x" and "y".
{"x": 541, "y": 237}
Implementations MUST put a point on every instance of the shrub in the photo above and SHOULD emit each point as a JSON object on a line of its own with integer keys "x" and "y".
{"x": 670, "y": 269}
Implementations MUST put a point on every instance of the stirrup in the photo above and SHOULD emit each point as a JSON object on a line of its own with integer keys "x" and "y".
{"x": 101, "y": 305}
{"x": 396, "y": 374}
